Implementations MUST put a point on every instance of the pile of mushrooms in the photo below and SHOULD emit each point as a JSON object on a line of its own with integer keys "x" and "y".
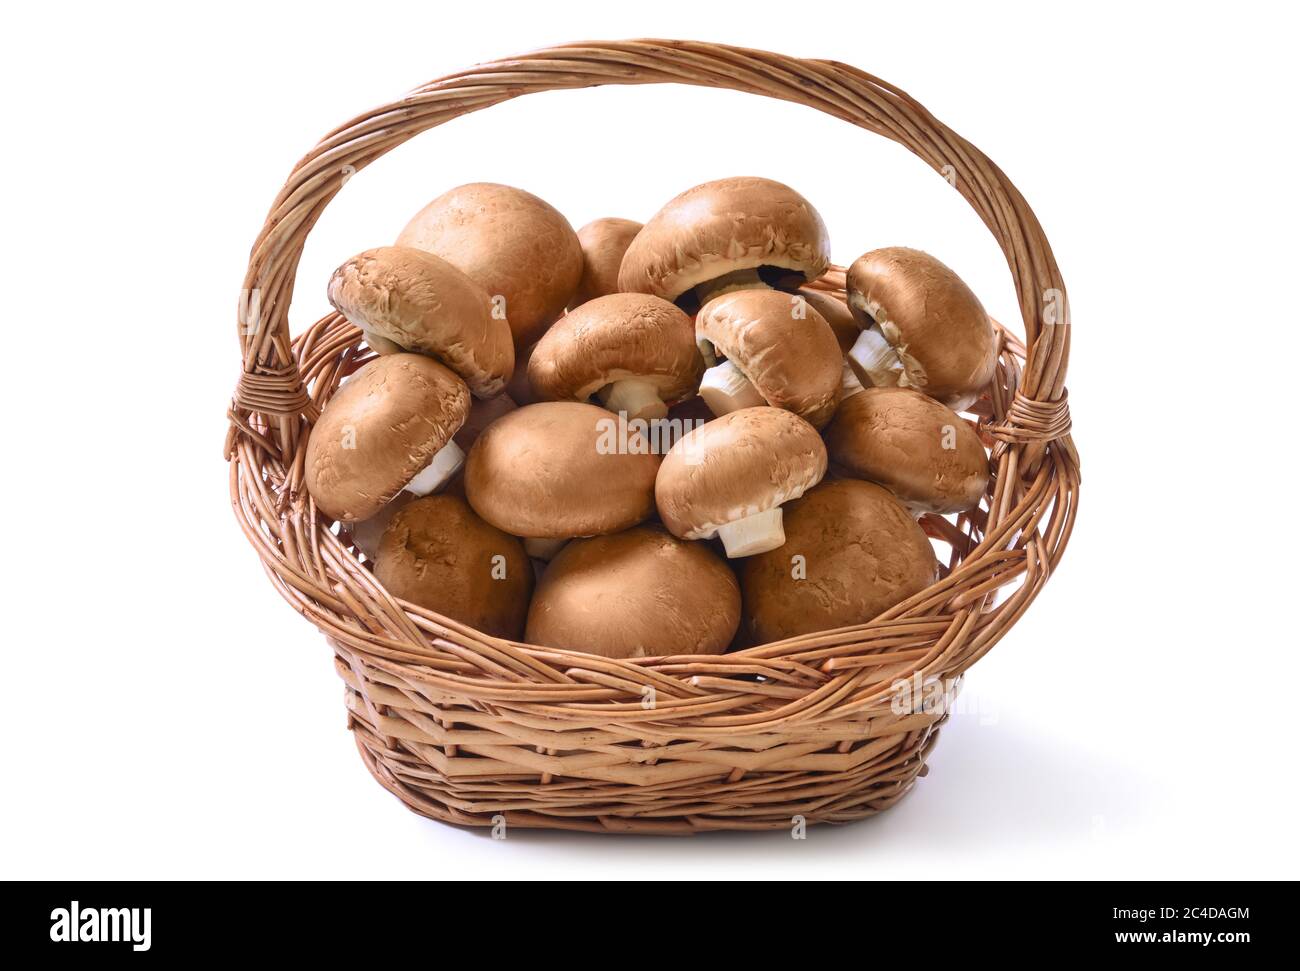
{"x": 654, "y": 439}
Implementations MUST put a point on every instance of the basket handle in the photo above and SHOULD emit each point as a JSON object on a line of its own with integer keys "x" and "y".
{"x": 271, "y": 384}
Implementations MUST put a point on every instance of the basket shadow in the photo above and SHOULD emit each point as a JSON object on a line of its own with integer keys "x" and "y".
{"x": 990, "y": 786}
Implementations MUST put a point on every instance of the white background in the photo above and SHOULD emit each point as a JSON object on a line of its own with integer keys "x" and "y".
{"x": 167, "y": 715}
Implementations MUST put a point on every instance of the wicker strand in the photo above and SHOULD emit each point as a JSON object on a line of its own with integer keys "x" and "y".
{"x": 1033, "y": 421}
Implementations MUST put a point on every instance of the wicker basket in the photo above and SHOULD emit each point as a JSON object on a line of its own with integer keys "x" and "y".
{"x": 470, "y": 729}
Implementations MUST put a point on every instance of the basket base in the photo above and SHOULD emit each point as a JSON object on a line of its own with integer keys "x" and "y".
{"x": 764, "y": 800}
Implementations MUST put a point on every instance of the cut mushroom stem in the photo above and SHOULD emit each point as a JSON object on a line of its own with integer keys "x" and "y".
{"x": 446, "y": 463}
{"x": 637, "y": 397}
{"x": 875, "y": 361}
{"x": 726, "y": 389}
{"x": 735, "y": 280}
{"x": 543, "y": 549}
{"x": 754, "y": 534}
{"x": 849, "y": 383}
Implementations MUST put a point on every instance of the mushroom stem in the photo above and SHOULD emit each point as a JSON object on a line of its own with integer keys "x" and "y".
{"x": 849, "y": 383}
{"x": 543, "y": 549}
{"x": 446, "y": 463}
{"x": 758, "y": 533}
{"x": 381, "y": 345}
{"x": 729, "y": 282}
{"x": 366, "y": 533}
{"x": 637, "y": 397}
{"x": 875, "y": 361}
{"x": 726, "y": 389}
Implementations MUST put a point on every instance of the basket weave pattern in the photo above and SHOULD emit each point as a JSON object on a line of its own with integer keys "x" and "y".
{"x": 471, "y": 729}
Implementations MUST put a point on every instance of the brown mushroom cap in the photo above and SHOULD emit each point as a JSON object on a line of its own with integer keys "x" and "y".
{"x": 639, "y": 593}
{"x": 612, "y": 338}
{"x": 558, "y": 469}
{"x": 793, "y": 362}
{"x": 862, "y": 554}
{"x": 511, "y": 243}
{"x": 721, "y": 227}
{"x": 519, "y": 388}
{"x": 836, "y": 313}
{"x": 741, "y": 464}
{"x": 424, "y": 304}
{"x": 381, "y": 429}
{"x": 604, "y": 241}
{"x": 482, "y": 412}
{"x": 942, "y": 335}
{"x": 437, "y": 554}
{"x": 920, "y": 450}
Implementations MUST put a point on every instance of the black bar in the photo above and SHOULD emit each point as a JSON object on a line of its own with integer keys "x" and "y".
{"x": 336, "y": 920}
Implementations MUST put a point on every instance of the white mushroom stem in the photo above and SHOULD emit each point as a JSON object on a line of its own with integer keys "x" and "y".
{"x": 381, "y": 345}
{"x": 637, "y": 397}
{"x": 754, "y": 534}
{"x": 446, "y": 463}
{"x": 849, "y": 383}
{"x": 367, "y": 533}
{"x": 726, "y": 389}
{"x": 875, "y": 361}
{"x": 543, "y": 549}
{"x": 730, "y": 282}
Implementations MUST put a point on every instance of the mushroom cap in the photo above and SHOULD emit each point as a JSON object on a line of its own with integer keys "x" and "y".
{"x": 794, "y": 363}
{"x": 744, "y": 463}
{"x": 603, "y": 241}
{"x": 949, "y": 350}
{"x": 836, "y": 313}
{"x": 379, "y": 430}
{"x": 719, "y": 227}
{"x": 436, "y": 553}
{"x": 424, "y": 304}
{"x": 482, "y": 412}
{"x": 557, "y": 469}
{"x": 862, "y": 554}
{"x": 920, "y": 450}
{"x": 639, "y": 593}
{"x": 508, "y": 241}
{"x": 519, "y": 389}
{"x": 622, "y": 335}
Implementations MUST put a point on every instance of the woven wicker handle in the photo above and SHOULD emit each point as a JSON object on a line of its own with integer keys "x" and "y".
{"x": 271, "y": 384}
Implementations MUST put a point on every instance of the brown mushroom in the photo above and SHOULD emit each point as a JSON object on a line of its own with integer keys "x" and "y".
{"x": 729, "y": 478}
{"x": 387, "y": 429}
{"x": 836, "y": 313}
{"x": 922, "y": 326}
{"x": 558, "y": 470}
{"x": 639, "y": 593}
{"x": 775, "y": 345}
{"x": 437, "y": 554}
{"x": 519, "y": 249}
{"x": 920, "y": 450}
{"x": 851, "y": 552}
{"x": 519, "y": 389}
{"x": 482, "y": 412}
{"x": 634, "y": 351}
{"x": 407, "y": 299}
{"x": 736, "y": 233}
{"x": 604, "y": 241}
